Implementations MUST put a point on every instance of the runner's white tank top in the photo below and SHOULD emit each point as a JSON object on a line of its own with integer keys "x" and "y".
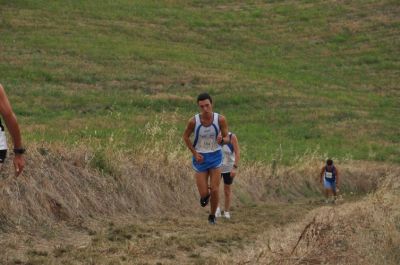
{"x": 3, "y": 139}
{"x": 205, "y": 138}
{"x": 229, "y": 157}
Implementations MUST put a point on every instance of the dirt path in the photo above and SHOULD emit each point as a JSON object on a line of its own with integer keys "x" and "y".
{"x": 163, "y": 240}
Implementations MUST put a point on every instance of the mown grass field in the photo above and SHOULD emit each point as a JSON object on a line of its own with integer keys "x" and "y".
{"x": 290, "y": 76}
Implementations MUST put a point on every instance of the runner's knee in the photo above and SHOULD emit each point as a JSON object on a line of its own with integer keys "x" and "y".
{"x": 227, "y": 190}
{"x": 214, "y": 190}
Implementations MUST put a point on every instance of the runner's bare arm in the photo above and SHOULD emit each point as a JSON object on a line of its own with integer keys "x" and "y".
{"x": 235, "y": 144}
{"x": 12, "y": 125}
{"x": 186, "y": 135}
{"x": 223, "y": 125}
{"x": 9, "y": 119}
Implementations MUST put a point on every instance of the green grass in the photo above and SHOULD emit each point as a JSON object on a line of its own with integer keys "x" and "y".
{"x": 290, "y": 76}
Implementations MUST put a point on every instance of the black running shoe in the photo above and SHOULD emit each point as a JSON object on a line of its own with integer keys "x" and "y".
{"x": 212, "y": 220}
{"x": 204, "y": 201}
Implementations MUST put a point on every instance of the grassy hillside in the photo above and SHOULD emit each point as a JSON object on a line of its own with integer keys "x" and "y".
{"x": 291, "y": 76}
{"x": 103, "y": 90}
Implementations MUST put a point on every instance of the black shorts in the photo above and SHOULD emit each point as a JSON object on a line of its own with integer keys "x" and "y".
{"x": 227, "y": 178}
{"x": 3, "y": 155}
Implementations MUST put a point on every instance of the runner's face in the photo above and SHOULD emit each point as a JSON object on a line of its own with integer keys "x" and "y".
{"x": 205, "y": 106}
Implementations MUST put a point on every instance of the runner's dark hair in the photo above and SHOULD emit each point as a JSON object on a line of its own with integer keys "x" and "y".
{"x": 204, "y": 96}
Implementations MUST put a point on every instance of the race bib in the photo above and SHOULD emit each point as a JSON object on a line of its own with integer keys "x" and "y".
{"x": 207, "y": 139}
{"x": 328, "y": 175}
{"x": 207, "y": 143}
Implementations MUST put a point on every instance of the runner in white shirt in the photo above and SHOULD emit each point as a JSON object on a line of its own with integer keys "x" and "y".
{"x": 229, "y": 168}
{"x": 207, "y": 154}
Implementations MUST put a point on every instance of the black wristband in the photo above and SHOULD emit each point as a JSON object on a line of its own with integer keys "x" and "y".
{"x": 19, "y": 151}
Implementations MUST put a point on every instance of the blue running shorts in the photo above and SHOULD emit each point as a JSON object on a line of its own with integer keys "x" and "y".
{"x": 329, "y": 184}
{"x": 210, "y": 161}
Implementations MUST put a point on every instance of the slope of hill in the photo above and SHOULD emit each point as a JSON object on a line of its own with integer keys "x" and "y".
{"x": 291, "y": 77}
{"x": 103, "y": 89}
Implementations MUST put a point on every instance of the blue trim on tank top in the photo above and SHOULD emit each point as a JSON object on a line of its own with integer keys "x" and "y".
{"x": 216, "y": 130}
{"x": 231, "y": 147}
{"x": 196, "y": 139}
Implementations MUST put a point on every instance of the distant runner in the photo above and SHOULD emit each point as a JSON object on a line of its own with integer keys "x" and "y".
{"x": 12, "y": 125}
{"x": 229, "y": 168}
{"x": 330, "y": 177}
{"x": 207, "y": 154}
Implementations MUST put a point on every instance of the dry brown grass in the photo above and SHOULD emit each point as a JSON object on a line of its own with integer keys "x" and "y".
{"x": 75, "y": 185}
{"x": 362, "y": 232}
{"x": 277, "y": 182}
{"x": 71, "y": 186}
{"x": 80, "y": 204}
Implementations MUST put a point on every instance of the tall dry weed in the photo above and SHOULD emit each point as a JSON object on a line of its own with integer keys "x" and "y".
{"x": 77, "y": 184}
{"x": 74, "y": 185}
{"x": 362, "y": 232}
